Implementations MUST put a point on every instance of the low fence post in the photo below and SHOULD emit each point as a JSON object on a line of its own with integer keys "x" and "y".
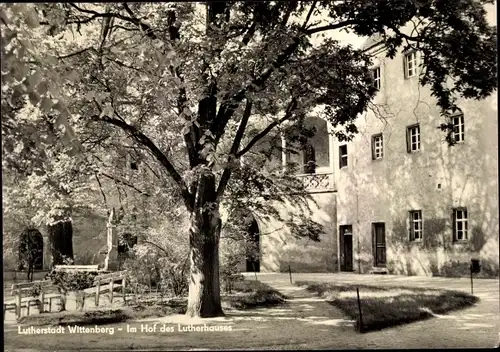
{"x": 42, "y": 301}
{"x": 97, "y": 292}
{"x": 471, "y": 285}
{"x": 18, "y": 302}
{"x": 111, "y": 284}
{"x": 360, "y": 322}
{"x": 290, "y": 272}
{"x": 124, "y": 287}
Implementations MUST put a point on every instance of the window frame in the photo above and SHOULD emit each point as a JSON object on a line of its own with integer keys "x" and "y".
{"x": 342, "y": 156}
{"x": 413, "y": 221}
{"x": 460, "y": 125}
{"x": 465, "y": 229}
{"x": 377, "y": 81}
{"x": 410, "y": 57}
{"x": 374, "y": 147}
{"x": 409, "y": 142}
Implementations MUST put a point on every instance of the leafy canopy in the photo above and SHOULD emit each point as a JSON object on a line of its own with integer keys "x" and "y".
{"x": 190, "y": 88}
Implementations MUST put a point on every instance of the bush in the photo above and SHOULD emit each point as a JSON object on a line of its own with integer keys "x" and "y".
{"x": 70, "y": 281}
{"x": 174, "y": 276}
{"x": 144, "y": 269}
{"x": 231, "y": 254}
{"x": 155, "y": 270}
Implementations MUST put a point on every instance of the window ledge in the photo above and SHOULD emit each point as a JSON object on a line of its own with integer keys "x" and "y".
{"x": 417, "y": 241}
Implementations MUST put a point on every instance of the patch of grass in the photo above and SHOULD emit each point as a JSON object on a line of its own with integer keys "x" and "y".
{"x": 383, "y": 307}
{"x": 253, "y": 294}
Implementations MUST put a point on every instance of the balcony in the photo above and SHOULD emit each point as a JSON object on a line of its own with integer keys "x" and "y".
{"x": 318, "y": 182}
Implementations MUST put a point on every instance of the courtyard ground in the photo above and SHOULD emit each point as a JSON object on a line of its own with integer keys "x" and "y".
{"x": 303, "y": 322}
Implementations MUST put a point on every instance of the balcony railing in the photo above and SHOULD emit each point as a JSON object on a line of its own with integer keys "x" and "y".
{"x": 318, "y": 182}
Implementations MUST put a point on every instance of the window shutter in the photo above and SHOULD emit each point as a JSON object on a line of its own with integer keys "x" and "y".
{"x": 346, "y": 156}
{"x": 409, "y": 226}
{"x": 454, "y": 219}
{"x": 373, "y": 147}
{"x": 408, "y": 144}
{"x": 404, "y": 66}
{"x": 340, "y": 157}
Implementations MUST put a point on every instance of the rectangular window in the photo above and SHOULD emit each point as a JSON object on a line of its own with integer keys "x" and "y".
{"x": 458, "y": 128}
{"x": 377, "y": 147}
{"x": 343, "y": 156}
{"x": 460, "y": 224}
{"x": 376, "y": 77}
{"x": 413, "y": 138}
{"x": 410, "y": 64}
{"x": 416, "y": 229}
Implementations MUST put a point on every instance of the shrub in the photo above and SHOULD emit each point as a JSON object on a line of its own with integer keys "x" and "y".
{"x": 144, "y": 269}
{"x": 157, "y": 270}
{"x": 230, "y": 275}
{"x": 72, "y": 280}
{"x": 174, "y": 276}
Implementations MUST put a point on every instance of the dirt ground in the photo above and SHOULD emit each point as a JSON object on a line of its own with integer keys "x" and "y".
{"x": 304, "y": 322}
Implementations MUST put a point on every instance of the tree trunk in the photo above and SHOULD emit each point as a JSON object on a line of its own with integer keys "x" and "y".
{"x": 204, "y": 233}
{"x": 61, "y": 241}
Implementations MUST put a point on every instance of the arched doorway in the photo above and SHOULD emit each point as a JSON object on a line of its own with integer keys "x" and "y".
{"x": 31, "y": 250}
{"x": 253, "y": 247}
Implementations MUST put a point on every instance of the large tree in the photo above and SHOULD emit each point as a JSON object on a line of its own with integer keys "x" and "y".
{"x": 210, "y": 81}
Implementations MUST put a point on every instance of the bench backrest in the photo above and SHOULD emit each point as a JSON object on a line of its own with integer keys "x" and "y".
{"x": 26, "y": 289}
{"x": 118, "y": 275}
{"x": 90, "y": 268}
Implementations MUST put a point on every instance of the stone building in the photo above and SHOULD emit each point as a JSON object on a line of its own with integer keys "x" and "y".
{"x": 397, "y": 198}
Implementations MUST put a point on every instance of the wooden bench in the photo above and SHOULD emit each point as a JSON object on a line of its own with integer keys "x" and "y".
{"x": 24, "y": 298}
{"x": 86, "y": 268}
{"x": 112, "y": 280}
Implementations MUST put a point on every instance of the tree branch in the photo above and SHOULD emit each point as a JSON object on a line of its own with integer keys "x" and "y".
{"x": 290, "y": 108}
{"x": 157, "y": 246}
{"x": 125, "y": 183}
{"x": 146, "y": 141}
{"x": 226, "y": 174}
{"x": 145, "y": 27}
{"x": 102, "y": 191}
{"x": 309, "y": 14}
{"x": 330, "y": 27}
{"x": 229, "y": 106}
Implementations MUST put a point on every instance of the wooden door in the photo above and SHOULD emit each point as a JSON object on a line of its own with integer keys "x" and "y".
{"x": 346, "y": 260}
{"x": 379, "y": 244}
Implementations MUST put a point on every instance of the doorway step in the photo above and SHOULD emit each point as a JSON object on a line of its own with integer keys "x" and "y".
{"x": 379, "y": 271}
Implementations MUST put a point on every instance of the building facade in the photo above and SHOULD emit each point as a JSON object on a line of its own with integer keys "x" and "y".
{"x": 398, "y": 198}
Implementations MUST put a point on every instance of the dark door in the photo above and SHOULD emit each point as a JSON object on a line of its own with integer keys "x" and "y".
{"x": 346, "y": 248}
{"x": 379, "y": 243}
{"x": 253, "y": 248}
